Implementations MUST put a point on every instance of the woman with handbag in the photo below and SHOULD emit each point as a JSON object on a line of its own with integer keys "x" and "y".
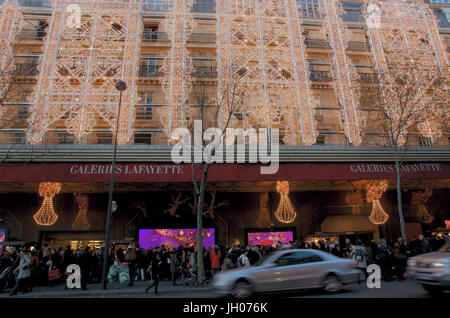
{"x": 54, "y": 273}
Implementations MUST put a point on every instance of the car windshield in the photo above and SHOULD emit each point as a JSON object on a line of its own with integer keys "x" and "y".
{"x": 445, "y": 248}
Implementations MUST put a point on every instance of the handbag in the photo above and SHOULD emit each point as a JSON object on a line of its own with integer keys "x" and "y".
{"x": 54, "y": 274}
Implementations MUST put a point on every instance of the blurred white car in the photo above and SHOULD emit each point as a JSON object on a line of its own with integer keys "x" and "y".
{"x": 432, "y": 270}
{"x": 289, "y": 270}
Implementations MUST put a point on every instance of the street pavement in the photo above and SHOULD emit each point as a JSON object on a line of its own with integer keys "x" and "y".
{"x": 407, "y": 289}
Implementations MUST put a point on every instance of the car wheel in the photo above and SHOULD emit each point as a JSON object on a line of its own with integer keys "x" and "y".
{"x": 242, "y": 289}
{"x": 331, "y": 284}
{"x": 434, "y": 290}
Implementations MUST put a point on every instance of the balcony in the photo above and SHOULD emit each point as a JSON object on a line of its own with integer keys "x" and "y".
{"x": 155, "y": 36}
{"x": 323, "y": 44}
{"x": 199, "y": 71}
{"x": 324, "y": 76}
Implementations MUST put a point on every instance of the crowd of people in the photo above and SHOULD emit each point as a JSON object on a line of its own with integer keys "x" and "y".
{"x": 31, "y": 265}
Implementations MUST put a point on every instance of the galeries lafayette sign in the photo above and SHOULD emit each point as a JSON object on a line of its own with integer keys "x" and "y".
{"x": 164, "y": 172}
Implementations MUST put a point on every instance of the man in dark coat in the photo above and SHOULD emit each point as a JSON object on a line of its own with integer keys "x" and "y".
{"x": 85, "y": 266}
{"x": 156, "y": 263}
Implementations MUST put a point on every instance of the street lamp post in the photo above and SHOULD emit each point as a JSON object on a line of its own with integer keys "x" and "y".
{"x": 120, "y": 86}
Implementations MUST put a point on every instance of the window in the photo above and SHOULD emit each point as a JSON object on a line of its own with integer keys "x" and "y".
{"x": 320, "y": 140}
{"x": 104, "y": 139}
{"x": 143, "y": 138}
{"x": 66, "y": 139}
{"x": 148, "y": 68}
{"x": 425, "y": 141}
{"x": 295, "y": 258}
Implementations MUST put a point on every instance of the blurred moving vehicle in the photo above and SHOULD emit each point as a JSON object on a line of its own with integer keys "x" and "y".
{"x": 432, "y": 270}
{"x": 289, "y": 270}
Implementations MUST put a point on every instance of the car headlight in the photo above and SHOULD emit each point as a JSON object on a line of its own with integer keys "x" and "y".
{"x": 412, "y": 262}
{"x": 440, "y": 264}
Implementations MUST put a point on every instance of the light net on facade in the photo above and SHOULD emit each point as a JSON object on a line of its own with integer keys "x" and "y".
{"x": 178, "y": 67}
{"x": 80, "y": 65}
{"x": 343, "y": 73}
{"x": 400, "y": 33}
{"x": 10, "y": 26}
{"x": 261, "y": 58}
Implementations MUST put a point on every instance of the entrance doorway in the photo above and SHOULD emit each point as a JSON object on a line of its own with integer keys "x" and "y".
{"x": 76, "y": 240}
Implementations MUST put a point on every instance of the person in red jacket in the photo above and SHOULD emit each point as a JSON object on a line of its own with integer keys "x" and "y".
{"x": 215, "y": 260}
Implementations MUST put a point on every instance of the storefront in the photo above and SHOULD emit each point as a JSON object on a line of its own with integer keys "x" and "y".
{"x": 147, "y": 192}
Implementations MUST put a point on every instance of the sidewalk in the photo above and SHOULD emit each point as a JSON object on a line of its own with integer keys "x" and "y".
{"x": 165, "y": 289}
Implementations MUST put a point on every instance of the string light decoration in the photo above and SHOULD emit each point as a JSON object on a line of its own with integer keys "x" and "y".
{"x": 80, "y": 66}
{"x": 343, "y": 73}
{"x": 374, "y": 194}
{"x": 285, "y": 212}
{"x": 46, "y": 215}
{"x": 178, "y": 67}
{"x": 261, "y": 57}
{"x": 264, "y": 219}
{"x": 402, "y": 34}
{"x": 355, "y": 200}
{"x": 81, "y": 222}
{"x": 420, "y": 198}
{"x": 10, "y": 26}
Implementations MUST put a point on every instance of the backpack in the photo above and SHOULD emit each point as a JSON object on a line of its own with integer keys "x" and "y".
{"x": 359, "y": 254}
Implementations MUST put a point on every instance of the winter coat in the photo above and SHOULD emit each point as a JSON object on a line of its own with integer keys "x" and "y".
{"x": 360, "y": 263}
{"x": 24, "y": 267}
{"x": 173, "y": 262}
{"x": 215, "y": 260}
{"x": 193, "y": 262}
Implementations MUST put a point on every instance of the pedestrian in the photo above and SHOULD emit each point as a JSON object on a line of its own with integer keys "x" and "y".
{"x": 243, "y": 260}
{"x": 174, "y": 263}
{"x": 130, "y": 258}
{"x": 193, "y": 264}
{"x": 227, "y": 263}
{"x": 215, "y": 260}
{"x": 34, "y": 269}
{"x": 141, "y": 262}
{"x": 207, "y": 263}
{"x": 424, "y": 245}
{"x": 24, "y": 273}
{"x": 155, "y": 266}
{"x": 85, "y": 265}
{"x": 359, "y": 254}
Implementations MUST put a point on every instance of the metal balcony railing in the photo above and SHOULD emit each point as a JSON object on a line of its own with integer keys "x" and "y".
{"x": 155, "y": 36}
{"x": 199, "y": 71}
{"x": 324, "y": 76}
{"x": 323, "y": 44}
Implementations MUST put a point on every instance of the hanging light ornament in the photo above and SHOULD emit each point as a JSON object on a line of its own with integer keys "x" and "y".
{"x": 10, "y": 26}
{"x": 80, "y": 66}
{"x": 344, "y": 76}
{"x": 374, "y": 193}
{"x": 261, "y": 57}
{"x": 420, "y": 198}
{"x": 46, "y": 215}
{"x": 285, "y": 212}
{"x": 355, "y": 199}
{"x": 263, "y": 220}
{"x": 402, "y": 34}
{"x": 177, "y": 68}
{"x": 81, "y": 222}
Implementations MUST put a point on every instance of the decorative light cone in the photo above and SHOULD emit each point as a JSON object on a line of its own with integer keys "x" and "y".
{"x": 420, "y": 198}
{"x": 263, "y": 220}
{"x": 374, "y": 193}
{"x": 46, "y": 215}
{"x": 355, "y": 199}
{"x": 378, "y": 216}
{"x": 285, "y": 212}
{"x": 81, "y": 222}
